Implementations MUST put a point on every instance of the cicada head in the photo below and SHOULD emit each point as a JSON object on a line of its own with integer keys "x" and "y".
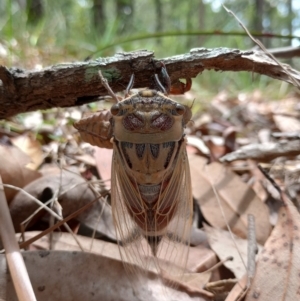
{"x": 149, "y": 116}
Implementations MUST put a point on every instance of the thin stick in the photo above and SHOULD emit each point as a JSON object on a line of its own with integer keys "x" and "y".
{"x": 55, "y": 226}
{"x": 14, "y": 258}
{"x": 42, "y": 205}
{"x": 104, "y": 200}
{"x": 268, "y": 177}
{"x": 263, "y": 48}
{"x": 105, "y": 84}
{"x": 226, "y": 222}
{"x": 252, "y": 248}
{"x": 219, "y": 264}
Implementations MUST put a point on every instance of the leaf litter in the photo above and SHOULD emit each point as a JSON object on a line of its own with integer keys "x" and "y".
{"x": 225, "y": 192}
{"x": 278, "y": 269}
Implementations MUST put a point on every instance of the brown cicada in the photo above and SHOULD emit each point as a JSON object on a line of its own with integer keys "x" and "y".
{"x": 151, "y": 185}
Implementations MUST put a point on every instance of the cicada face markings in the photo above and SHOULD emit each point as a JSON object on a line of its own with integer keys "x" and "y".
{"x": 161, "y": 121}
{"x": 133, "y": 121}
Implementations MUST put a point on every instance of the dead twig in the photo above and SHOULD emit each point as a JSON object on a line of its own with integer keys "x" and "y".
{"x": 57, "y": 225}
{"x": 264, "y": 49}
{"x": 252, "y": 248}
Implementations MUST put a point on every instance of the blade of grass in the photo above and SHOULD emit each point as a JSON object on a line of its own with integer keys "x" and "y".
{"x": 14, "y": 258}
{"x": 188, "y": 33}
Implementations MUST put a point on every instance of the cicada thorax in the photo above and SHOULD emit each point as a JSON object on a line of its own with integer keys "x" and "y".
{"x": 148, "y": 131}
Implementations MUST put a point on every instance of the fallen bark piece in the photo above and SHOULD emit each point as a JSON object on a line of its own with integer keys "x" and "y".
{"x": 264, "y": 152}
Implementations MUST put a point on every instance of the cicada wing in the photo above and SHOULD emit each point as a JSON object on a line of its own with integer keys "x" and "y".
{"x": 170, "y": 245}
{"x": 174, "y": 245}
{"x": 133, "y": 246}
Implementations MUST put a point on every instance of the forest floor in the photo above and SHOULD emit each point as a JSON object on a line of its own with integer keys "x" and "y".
{"x": 244, "y": 159}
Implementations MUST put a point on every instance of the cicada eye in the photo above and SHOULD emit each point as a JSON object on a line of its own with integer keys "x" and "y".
{"x": 115, "y": 109}
{"x": 180, "y": 109}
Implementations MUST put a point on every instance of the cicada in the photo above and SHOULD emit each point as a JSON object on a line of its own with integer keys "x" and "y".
{"x": 151, "y": 193}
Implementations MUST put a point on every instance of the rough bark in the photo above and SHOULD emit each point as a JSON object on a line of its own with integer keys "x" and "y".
{"x": 285, "y": 52}
{"x": 73, "y": 84}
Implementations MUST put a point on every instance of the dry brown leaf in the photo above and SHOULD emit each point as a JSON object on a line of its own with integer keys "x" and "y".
{"x": 287, "y": 123}
{"x": 13, "y": 170}
{"x": 238, "y": 290}
{"x": 198, "y": 143}
{"x": 278, "y": 270}
{"x": 221, "y": 288}
{"x": 31, "y": 148}
{"x": 77, "y": 276}
{"x": 216, "y": 150}
{"x": 103, "y": 158}
{"x": 64, "y": 241}
{"x": 236, "y": 198}
{"x": 196, "y": 163}
{"x": 259, "y": 179}
{"x": 196, "y": 280}
{"x": 50, "y": 169}
{"x": 74, "y": 193}
{"x": 200, "y": 258}
{"x": 222, "y": 243}
{"x": 197, "y": 237}
{"x": 193, "y": 282}
{"x": 86, "y": 158}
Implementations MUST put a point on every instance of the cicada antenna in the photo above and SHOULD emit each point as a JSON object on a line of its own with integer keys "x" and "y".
{"x": 130, "y": 85}
{"x": 159, "y": 84}
{"x": 166, "y": 85}
{"x": 166, "y": 77}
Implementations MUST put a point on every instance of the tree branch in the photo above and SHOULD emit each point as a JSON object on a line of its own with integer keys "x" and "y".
{"x": 73, "y": 84}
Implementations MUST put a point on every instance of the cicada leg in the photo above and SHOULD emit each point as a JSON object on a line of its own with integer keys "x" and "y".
{"x": 180, "y": 87}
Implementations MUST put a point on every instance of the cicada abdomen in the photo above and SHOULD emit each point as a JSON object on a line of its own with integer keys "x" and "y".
{"x": 151, "y": 186}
